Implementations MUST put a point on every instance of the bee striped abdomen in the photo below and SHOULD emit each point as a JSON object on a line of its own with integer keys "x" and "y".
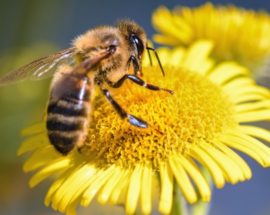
{"x": 60, "y": 124}
{"x": 67, "y": 113}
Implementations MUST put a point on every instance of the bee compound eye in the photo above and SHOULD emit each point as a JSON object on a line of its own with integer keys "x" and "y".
{"x": 138, "y": 43}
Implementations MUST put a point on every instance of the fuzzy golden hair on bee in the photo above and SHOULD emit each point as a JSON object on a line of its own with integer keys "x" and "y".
{"x": 128, "y": 27}
{"x": 94, "y": 38}
{"x": 63, "y": 69}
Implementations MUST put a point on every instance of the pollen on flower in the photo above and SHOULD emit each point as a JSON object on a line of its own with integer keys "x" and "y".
{"x": 196, "y": 111}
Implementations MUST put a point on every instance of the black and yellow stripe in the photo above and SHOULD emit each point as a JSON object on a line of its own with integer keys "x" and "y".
{"x": 66, "y": 113}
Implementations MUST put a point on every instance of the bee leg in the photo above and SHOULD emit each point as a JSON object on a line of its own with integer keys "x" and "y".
{"x": 138, "y": 81}
{"x": 136, "y": 66}
{"x": 123, "y": 114}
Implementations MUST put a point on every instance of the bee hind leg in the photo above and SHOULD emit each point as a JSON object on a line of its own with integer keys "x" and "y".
{"x": 123, "y": 114}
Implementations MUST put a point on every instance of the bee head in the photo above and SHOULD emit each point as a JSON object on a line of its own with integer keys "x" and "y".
{"x": 134, "y": 34}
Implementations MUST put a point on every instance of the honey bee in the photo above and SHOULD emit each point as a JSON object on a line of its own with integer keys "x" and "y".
{"x": 103, "y": 57}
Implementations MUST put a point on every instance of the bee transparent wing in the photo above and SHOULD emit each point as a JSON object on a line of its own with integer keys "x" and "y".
{"x": 39, "y": 69}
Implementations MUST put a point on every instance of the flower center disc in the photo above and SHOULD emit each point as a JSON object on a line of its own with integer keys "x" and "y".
{"x": 197, "y": 111}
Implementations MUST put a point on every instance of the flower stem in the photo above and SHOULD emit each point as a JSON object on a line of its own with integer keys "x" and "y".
{"x": 202, "y": 208}
{"x": 179, "y": 205}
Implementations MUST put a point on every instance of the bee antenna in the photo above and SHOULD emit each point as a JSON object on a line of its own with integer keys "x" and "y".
{"x": 149, "y": 55}
{"x": 157, "y": 57}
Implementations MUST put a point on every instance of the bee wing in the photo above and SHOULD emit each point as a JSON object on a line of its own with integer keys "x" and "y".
{"x": 39, "y": 69}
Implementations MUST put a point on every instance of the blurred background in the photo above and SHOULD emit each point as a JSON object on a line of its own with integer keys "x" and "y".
{"x": 31, "y": 29}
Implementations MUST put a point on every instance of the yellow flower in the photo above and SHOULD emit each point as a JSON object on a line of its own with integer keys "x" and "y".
{"x": 201, "y": 126}
{"x": 240, "y": 35}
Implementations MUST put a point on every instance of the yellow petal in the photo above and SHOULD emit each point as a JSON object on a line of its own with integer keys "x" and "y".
{"x": 134, "y": 190}
{"x": 34, "y": 129}
{"x": 237, "y": 160}
{"x": 118, "y": 195}
{"x": 237, "y": 83}
{"x": 97, "y": 181}
{"x": 165, "y": 40}
{"x": 166, "y": 193}
{"x": 210, "y": 164}
{"x": 225, "y": 71}
{"x": 247, "y": 147}
{"x": 255, "y": 131}
{"x": 73, "y": 187}
{"x": 253, "y": 96}
{"x": 253, "y": 116}
{"x": 107, "y": 189}
{"x": 250, "y": 90}
{"x": 254, "y": 106}
{"x": 169, "y": 27}
{"x": 55, "y": 185}
{"x": 146, "y": 190}
{"x": 176, "y": 57}
{"x": 197, "y": 177}
{"x": 48, "y": 170}
{"x": 265, "y": 151}
{"x": 200, "y": 51}
{"x": 32, "y": 143}
{"x": 183, "y": 180}
{"x": 40, "y": 158}
{"x": 231, "y": 170}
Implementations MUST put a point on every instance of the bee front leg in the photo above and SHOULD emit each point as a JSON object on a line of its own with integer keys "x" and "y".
{"x": 138, "y": 81}
{"x": 136, "y": 66}
{"x": 122, "y": 113}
